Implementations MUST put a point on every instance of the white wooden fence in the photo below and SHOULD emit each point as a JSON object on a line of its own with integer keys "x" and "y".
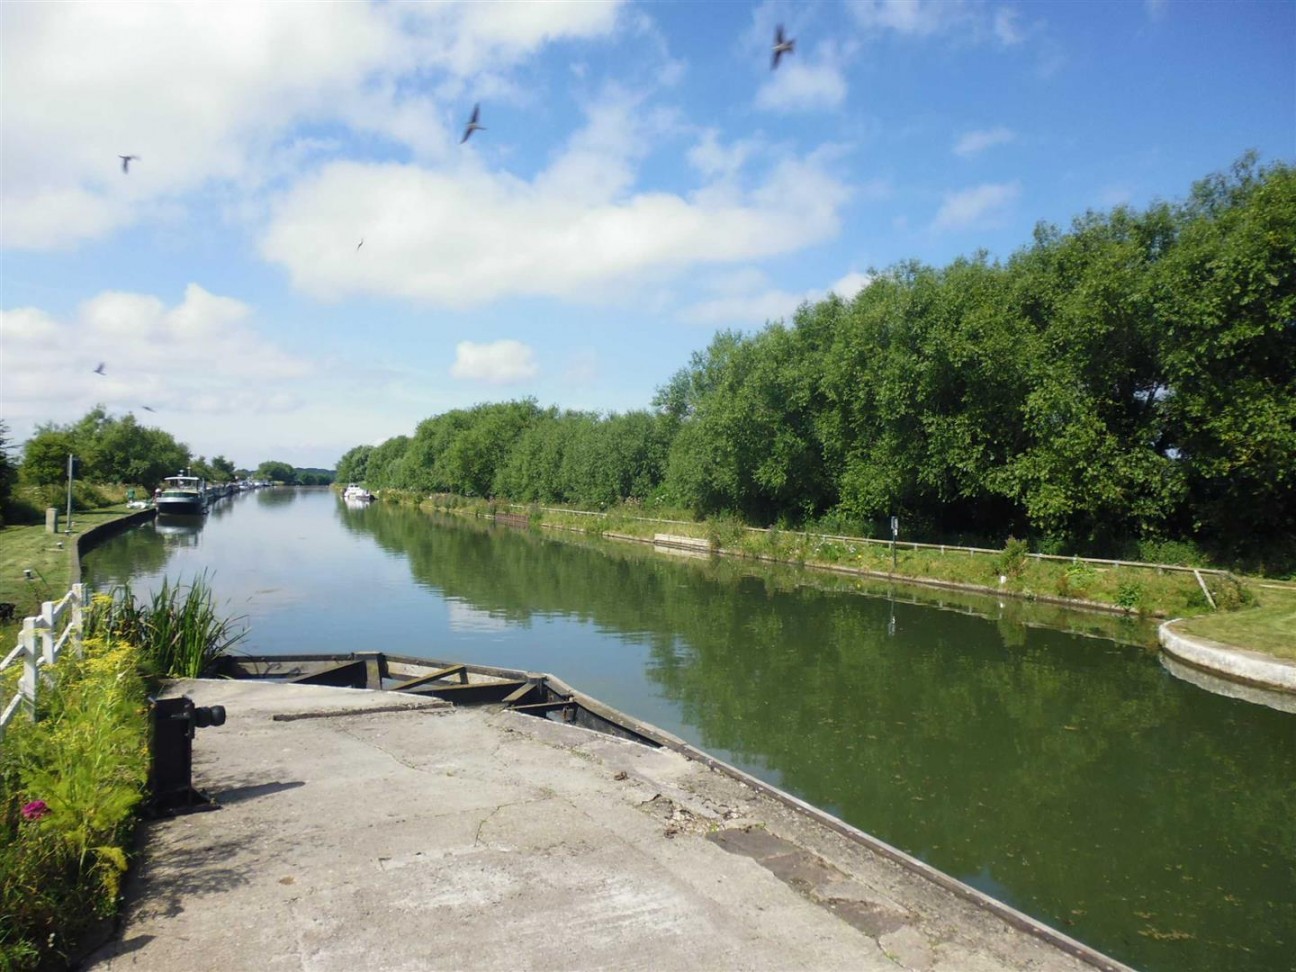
{"x": 40, "y": 642}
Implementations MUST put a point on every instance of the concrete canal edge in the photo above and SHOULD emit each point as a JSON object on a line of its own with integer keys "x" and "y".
{"x": 1228, "y": 670}
{"x": 85, "y": 542}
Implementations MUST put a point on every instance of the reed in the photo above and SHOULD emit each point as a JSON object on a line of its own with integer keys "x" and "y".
{"x": 178, "y": 631}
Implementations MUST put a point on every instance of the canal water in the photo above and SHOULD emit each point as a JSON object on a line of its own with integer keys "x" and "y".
{"x": 1060, "y": 769}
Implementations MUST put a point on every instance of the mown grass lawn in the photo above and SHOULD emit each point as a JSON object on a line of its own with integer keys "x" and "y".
{"x": 49, "y": 558}
{"x": 1270, "y": 626}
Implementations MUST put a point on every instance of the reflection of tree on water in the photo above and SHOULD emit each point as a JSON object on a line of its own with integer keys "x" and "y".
{"x": 1071, "y": 777}
{"x": 275, "y": 496}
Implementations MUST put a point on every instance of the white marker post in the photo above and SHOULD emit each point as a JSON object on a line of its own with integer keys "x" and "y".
{"x": 69, "y": 510}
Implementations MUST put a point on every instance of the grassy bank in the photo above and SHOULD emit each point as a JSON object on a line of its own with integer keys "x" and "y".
{"x": 48, "y": 556}
{"x": 1245, "y": 614}
{"x": 1268, "y": 626}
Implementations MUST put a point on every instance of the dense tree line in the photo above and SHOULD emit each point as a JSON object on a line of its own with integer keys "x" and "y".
{"x": 117, "y": 449}
{"x": 1131, "y": 378}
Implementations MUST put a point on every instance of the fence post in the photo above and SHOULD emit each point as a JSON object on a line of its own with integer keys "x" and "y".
{"x": 77, "y": 622}
{"x": 31, "y": 663}
{"x": 47, "y": 632}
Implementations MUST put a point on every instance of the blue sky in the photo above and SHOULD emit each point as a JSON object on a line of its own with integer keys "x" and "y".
{"x": 644, "y": 179}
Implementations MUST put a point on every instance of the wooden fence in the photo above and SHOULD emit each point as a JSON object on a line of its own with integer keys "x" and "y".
{"x": 42, "y": 639}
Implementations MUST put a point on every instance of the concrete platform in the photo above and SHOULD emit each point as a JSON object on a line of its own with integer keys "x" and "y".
{"x": 351, "y": 836}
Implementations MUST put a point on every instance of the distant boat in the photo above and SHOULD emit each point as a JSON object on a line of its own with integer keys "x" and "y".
{"x": 182, "y": 495}
{"x": 355, "y": 493}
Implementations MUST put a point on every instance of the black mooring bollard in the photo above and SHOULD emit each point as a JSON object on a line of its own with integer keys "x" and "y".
{"x": 170, "y": 775}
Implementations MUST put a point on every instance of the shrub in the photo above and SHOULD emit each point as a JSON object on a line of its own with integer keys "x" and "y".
{"x": 726, "y": 532}
{"x": 1129, "y": 595}
{"x": 1076, "y": 580}
{"x": 69, "y": 787}
{"x": 1012, "y": 561}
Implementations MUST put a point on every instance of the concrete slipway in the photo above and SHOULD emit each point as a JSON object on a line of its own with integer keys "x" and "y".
{"x": 357, "y": 829}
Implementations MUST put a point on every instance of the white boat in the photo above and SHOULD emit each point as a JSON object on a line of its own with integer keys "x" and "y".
{"x": 355, "y": 493}
{"x": 182, "y": 495}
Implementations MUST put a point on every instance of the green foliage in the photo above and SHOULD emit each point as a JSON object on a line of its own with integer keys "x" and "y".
{"x": 1013, "y": 560}
{"x": 353, "y": 466}
{"x": 725, "y": 532}
{"x": 45, "y": 457}
{"x": 1129, "y": 594}
{"x": 179, "y": 633}
{"x": 1076, "y": 581}
{"x": 8, "y": 474}
{"x": 86, "y": 760}
{"x": 277, "y": 472}
{"x": 107, "y": 450}
{"x": 1129, "y": 380}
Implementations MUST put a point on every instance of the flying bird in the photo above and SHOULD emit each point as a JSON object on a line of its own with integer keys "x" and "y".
{"x": 782, "y": 45}
{"x": 127, "y": 160}
{"x": 100, "y": 369}
{"x": 148, "y": 408}
{"x": 472, "y": 124}
{"x": 361, "y": 243}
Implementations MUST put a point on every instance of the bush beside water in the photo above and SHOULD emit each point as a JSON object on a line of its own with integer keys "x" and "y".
{"x": 72, "y": 782}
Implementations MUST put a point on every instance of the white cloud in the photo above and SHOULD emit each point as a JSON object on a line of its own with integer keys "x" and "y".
{"x": 1007, "y": 28}
{"x": 982, "y": 205}
{"x": 803, "y": 85}
{"x": 744, "y": 298}
{"x": 851, "y": 284}
{"x": 205, "y": 368}
{"x": 208, "y": 91}
{"x": 971, "y": 21}
{"x": 717, "y": 161}
{"x": 915, "y": 17}
{"x": 972, "y": 143}
{"x": 466, "y": 236}
{"x": 497, "y": 363}
{"x": 200, "y": 356}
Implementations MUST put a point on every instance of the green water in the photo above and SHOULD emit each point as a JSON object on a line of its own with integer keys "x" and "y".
{"x": 1062, "y": 771}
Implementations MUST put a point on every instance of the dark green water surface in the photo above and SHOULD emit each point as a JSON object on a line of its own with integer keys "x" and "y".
{"x": 1060, "y": 769}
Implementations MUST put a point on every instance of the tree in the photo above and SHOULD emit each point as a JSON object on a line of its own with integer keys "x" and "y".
{"x": 277, "y": 472}
{"x": 223, "y": 468}
{"x": 45, "y": 457}
{"x": 1226, "y": 304}
{"x": 7, "y": 472}
{"x": 127, "y": 452}
{"x": 353, "y": 466}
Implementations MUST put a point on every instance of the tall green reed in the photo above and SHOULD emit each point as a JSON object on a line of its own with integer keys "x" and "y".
{"x": 178, "y": 631}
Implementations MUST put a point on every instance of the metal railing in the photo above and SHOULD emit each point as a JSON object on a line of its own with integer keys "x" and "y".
{"x": 41, "y": 640}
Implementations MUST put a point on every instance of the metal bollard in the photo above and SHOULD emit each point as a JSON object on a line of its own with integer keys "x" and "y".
{"x": 170, "y": 773}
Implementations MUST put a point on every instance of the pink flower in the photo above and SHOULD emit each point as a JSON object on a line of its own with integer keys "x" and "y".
{"x": 35, "y": 810}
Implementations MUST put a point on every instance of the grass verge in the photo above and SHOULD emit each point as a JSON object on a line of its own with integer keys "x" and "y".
{"x": 1143, "y": 591}
{"x": 48, "y": 556}
{"x": 1269, "y": 626}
